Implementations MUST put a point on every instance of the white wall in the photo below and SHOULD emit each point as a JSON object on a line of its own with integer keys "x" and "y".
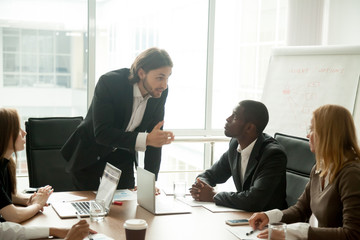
{"x": 343, "y": 22}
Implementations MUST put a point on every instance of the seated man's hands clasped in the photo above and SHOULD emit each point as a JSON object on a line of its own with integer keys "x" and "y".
{"x": 202, "y": 191}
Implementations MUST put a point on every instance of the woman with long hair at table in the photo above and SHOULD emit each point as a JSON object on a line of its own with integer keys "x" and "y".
{"x": 12, "y": 140}
{"x": 333, "y": 192}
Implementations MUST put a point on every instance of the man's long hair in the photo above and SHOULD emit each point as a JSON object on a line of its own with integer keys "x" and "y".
{"x": 150, "y": 59}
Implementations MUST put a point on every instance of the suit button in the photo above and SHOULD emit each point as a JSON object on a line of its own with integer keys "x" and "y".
{"x": 98, "y": 158}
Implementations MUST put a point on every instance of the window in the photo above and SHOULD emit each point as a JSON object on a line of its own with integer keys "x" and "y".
{"x": 35, "y": 61}
{"x": 179, "y": 27}
{"x": 43, "y": 59}
{"x": 245, "y": 32}
{"x": 44, "y": 56}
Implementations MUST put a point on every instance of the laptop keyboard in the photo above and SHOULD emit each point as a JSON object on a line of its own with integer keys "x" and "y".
{"x": 81, "y": 207}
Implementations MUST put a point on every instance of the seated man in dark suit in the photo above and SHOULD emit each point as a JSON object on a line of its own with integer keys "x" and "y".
{"x": 255, "y": 161}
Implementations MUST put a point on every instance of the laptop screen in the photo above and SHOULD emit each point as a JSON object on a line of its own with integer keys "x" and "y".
{"x": 108, "y": 185}
{"x": 146, "y": 189}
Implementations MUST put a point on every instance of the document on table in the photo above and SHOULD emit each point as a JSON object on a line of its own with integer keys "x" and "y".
{"x": 124, "y": 194}
{"x": 64, "y": 197}
{"x": 191, "y": 202}
{"x": 170, "y": 191}
{"x": 211, "y": 206}
{"x": 240, "y": 232}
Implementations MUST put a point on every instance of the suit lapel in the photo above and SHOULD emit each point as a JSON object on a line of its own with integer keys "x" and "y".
{"x": 150, "y": 108}
{"x": 128, "y": 107}
{"x": 237, "y": 171}
{"x": 235, "y": 166}
{"x": 253, "y": 161}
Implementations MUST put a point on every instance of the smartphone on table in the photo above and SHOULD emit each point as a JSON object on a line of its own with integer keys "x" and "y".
{"x": 237, "y": 222}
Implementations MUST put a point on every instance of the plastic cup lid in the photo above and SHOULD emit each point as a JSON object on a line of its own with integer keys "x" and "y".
{"x": 135, "y": 224}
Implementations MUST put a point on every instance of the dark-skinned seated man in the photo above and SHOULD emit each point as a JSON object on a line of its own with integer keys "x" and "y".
{"x": 255, "y": 161}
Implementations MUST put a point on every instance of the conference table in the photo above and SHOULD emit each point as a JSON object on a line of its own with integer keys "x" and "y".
{"x": 199, "y": 224}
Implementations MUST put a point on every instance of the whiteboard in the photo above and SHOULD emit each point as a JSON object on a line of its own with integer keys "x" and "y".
{"x": 300, "y": 79}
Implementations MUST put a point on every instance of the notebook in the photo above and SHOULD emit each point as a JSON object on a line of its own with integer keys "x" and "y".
{"x": 157, "y": 205}
{"x": 106, "y": 191}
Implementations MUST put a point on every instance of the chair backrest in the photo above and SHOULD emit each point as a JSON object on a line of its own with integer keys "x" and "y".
{"x": 300, "y": 161}
{"x": 45, "y": 137}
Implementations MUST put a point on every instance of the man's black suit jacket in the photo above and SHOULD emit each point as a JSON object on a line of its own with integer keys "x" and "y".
{"x": 264, "y": 186}
{"x": 103, "y": 129}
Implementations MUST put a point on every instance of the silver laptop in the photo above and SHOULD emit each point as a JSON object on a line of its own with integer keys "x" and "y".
{"x": 157, "y": 205}
{"x": 106, "y": 191}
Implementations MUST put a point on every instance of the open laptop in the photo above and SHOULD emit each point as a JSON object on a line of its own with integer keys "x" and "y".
{"x": 157, "y": 205}
{"x": 106, "y": 191}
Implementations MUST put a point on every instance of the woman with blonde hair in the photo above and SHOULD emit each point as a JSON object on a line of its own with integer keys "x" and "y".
{"x": 333, "y": 192}
{"x": 12, "y": 139}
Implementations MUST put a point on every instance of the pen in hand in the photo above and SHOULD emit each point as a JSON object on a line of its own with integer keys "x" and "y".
{"x": 252, "y": 231}
{"x": 78, "y": 217}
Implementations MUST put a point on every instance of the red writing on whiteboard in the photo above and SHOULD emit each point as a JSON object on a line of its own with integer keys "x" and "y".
{"x": 310, "y": 96}
{"x": 313, "y": 84}
{"x": 286, "y": 91}
{"x": 331, "y": 70}
{"x": 306, "y": 110}
{"x": 299, "y": 70}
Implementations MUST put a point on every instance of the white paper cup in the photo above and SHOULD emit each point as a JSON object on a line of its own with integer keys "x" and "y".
{"x": 135, "y": 229}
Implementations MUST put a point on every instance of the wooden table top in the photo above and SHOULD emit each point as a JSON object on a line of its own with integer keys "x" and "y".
{"x": 200, "y": 224}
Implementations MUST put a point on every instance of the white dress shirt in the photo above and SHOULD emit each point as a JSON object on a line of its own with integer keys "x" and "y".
{"x": 10, "y": 231}
{"x": 245, "y": 156}
{"x": 139, "y": 106}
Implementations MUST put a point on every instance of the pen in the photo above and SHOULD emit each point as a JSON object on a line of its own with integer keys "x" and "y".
{"x": 78, "y": 216}
{"x": 89, "y": 235}
{"x": 252, "y": 231}
{"x": 249, "y": 233}
{"x": 118, "y": 203}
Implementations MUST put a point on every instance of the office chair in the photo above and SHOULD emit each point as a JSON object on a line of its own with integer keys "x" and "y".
{"x": 44, "y": 139}
{"x": 300, "y": 161}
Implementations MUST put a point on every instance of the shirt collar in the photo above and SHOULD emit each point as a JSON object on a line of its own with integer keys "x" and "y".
{"x": 137, "y": 93}
{"x": 247, "y": 151}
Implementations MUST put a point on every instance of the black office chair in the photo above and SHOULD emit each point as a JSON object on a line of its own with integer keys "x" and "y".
{"x": 44, "y": 139}
{"x": 300, "y": 162}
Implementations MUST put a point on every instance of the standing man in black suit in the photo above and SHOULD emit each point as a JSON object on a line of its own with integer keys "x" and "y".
{"x": 256, "y": 162}
{"x": 126, "y": 115}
